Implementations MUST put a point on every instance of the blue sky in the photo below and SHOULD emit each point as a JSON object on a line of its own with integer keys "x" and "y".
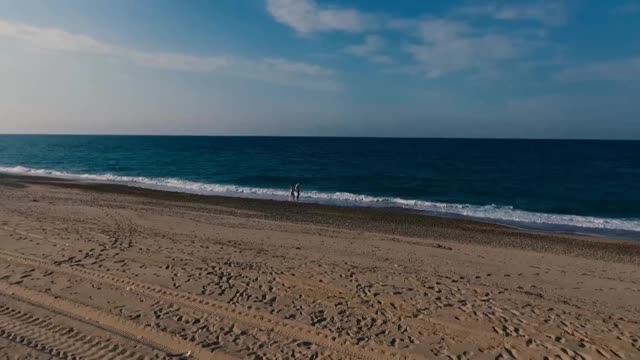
{"x": 524, "y": 69}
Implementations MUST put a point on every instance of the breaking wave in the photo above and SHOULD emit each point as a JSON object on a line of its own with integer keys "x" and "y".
{"x": 492, "y": 213}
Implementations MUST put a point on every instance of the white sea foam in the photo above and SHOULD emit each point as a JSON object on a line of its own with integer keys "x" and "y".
{"x": 502, "y": 214}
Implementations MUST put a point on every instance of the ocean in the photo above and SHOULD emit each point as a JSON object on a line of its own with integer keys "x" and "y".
{"x": 585, "y": 186}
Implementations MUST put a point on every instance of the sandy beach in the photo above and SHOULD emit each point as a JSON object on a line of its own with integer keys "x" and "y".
{"x": 114, "y": 272}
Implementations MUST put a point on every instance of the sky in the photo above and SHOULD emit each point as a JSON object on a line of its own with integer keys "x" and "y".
{"x": 497, "y": 69}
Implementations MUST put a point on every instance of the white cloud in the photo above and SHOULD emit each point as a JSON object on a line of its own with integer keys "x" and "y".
{"x": 278, "y": 71}
{"x": 548, "y": 12}
{"x": 306, "y": 16}
{"x": 450, "y": 46}
{"x": 625, "y": 70}
{"x": 370, "y": 49}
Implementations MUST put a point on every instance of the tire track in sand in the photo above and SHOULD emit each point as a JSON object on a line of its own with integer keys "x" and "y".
{"x": 56, "y": 340}
{"x": 111, "y": 323}
{"x": 34, "y": 236}
{"x": 248, "y": 317}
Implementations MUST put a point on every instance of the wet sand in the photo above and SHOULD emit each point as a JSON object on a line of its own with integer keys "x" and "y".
{"x": 107, "y": 271}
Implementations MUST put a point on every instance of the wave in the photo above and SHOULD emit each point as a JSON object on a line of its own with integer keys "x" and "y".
{"x": 493, "y": 213}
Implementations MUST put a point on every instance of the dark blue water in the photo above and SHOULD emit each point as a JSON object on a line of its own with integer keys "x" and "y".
{"x": 590, "y": 186}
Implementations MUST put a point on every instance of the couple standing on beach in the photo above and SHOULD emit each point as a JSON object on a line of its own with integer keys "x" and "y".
{"x": 294, "y": 191}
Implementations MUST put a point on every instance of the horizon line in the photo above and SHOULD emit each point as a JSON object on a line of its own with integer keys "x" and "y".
{"x": 319, "y": 136}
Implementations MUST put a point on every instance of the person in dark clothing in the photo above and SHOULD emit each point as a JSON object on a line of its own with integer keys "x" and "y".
{"x": 297, "y": 188}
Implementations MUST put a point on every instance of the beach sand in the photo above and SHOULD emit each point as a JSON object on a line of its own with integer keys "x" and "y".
{"x": 114, "y": 272}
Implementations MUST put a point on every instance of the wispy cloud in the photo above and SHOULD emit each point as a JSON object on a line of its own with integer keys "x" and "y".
{"x": 453, "y": 42}
{"x": 372, "y": 44}
{"x": 548, "y": 12}
{"x": 306, "y": 16}
{"x": 286, "y": 73}
{"x": 627, "y": 9}
{"x": 626, "y": 70}
{"x": 381, "y": 59}
{"x": 60, "y": 40}
{"x": 298, "y": 67}
{"x": 370, "y": 49}
{"x": 450, "y": 46}
{"x": 276, "y": 70}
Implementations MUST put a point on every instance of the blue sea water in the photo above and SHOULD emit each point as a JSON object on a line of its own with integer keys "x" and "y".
{"x": 556, "y": 185}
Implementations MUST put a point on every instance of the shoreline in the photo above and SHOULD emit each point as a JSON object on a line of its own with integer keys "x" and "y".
{"x": 397, "y": 222}
{"x": 587, "y": 224}
{"x": 552, "y": 223}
